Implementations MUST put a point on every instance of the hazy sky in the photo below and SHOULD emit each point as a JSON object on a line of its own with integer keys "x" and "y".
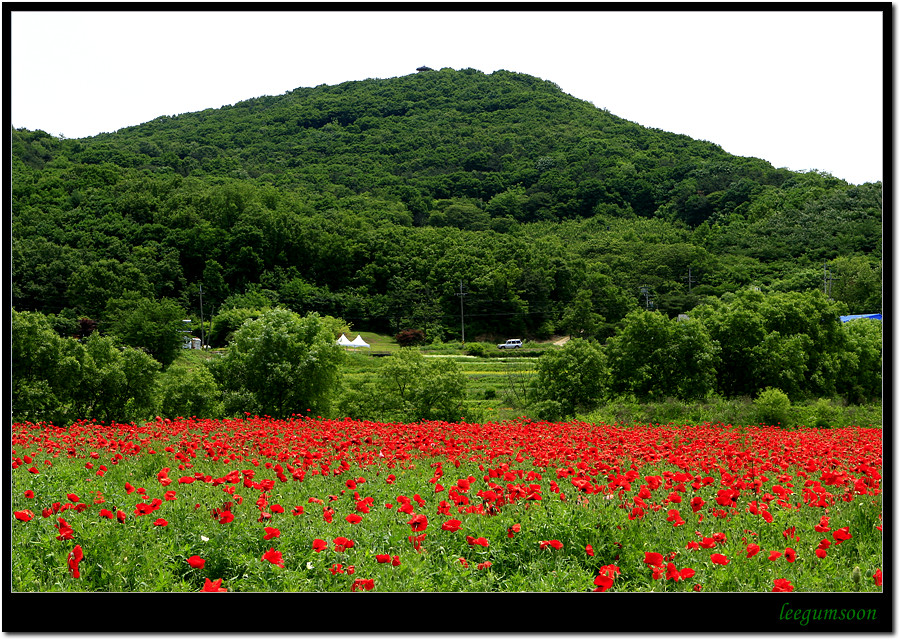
{"x": 801, "y": 89}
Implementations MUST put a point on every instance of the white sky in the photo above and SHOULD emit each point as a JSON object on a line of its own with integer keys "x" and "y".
{"x": 801, "y": 89}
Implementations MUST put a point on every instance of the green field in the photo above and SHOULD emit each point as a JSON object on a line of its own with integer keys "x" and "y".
{"x": 494, "y": 386}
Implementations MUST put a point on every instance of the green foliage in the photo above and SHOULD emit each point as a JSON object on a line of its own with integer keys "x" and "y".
{"x": 580, "y": 319}
{"x": 62, "y": 380}
{"x": 792, "y": 341}
{"x": 279, "y": 364}
{"x": 652, "y": 356}
{"x": 152, "y": 325}
{"x": 185, "y": 390}
{"x": 227, "y": 321}
{"x": 478, "y": 349}
{"x": 569, "y": 380}
{"x": 773, "y": 407}
{"x": 371, "y": 201}
{"x": 860, "y": 378}
{"x": 413, "y": 388}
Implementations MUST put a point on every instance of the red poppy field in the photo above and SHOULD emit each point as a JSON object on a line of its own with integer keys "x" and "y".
{"x": 341, "y": 505}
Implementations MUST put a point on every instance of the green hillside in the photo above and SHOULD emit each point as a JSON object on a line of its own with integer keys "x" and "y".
{"x": 380, "y": 201}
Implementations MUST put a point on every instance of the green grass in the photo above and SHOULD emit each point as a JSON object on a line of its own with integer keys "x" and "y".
{"x": 138, "y": 556}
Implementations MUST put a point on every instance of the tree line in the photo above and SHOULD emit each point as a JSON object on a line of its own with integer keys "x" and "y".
{"x": 373, "y": 200}
{"x": 280, "y": 363}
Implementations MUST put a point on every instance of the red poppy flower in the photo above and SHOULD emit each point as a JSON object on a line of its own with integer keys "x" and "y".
{"x": 25, "y": 515}
{"x": 790, "y": 555}
{"x": 29, "y": 493}
{"x": 484, "y": 565}
{"x": 718, "y": 558}
{"x": 686, "y": 573}
{"x": 383, "y": 558}
{"x": 672, "y": 573}
{"x": 653, "y": 559}
{"x": 708, "y": 543}
{"x": 328, "y": 514}
{"x": 395, "y": 561}
{"x": 297, "y": 511}
{"x": 603, "y": 583}
{"x": 196, "y": 562}
{"x": 225, "y": 517}
{"x": 271, "y": 532}
{"x": 675, "y": 518}
{"x": 274, "y": 557}
{"x": 169, "y": 495}
{"x": 160, "y": 522}
{"x": 319, "y": 545}
{"x": 363, "y": 584}
{"x": 451, "y": 525}
{"x": 752, "y": 550}
{"x": 65, "y": 531}
{"x": 464, "y": 563}
{"x": 336, "y": 569}
{"x": 341, "y": 543}
{"x": 477, "y": 541}
{"x": 143, "y": 509}
{"x": 211, "y": 586}
{"x": 72, "y": 497}
{"x": 822, "y": 527}
{"x": 75, "y": 556}
{"x": 821, "y": 553}
{"x": 588, "y": 549}
{"x": 120, "y": 515}
{"x": 841, "y": 534}
{"x": 782, "y": 585}
{"x": 556, "y": 544}
{"x": 353, "y": 519}
{"x": 418, "y": 522}
{"x": 417, "y": 540}
{"x": 877, "y": 576}
{"x": 774, "y": 555}
{"x": 391, "y": 479}
{"x": 276, "y": 508}
{"x": 106, "y": 513}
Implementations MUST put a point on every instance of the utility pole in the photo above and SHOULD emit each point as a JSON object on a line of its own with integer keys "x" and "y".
{"x": 462, "y": 316}
{"x": 829, "y": 278}
{"x": 646, "y": 293}
{"x": 202, "y": 336}
{"x": 690, "y": 279}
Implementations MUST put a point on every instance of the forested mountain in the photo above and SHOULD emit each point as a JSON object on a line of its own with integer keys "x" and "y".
{"x": 381, "y": 201}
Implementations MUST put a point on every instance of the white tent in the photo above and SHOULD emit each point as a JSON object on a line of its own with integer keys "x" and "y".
{"x": 359, "y": 342}
{"x": 344, "y": 342}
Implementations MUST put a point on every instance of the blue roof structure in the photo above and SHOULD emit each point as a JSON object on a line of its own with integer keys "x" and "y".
{"x": 870, "y": 316}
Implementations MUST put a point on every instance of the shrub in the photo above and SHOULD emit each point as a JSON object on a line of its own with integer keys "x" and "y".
{"x": 477, "y": 349}
{"x": 185, "y": 391}
{"x": 410, "y": 337}
{"x": 773, "y": 406}
{"x": 287, "y": 362}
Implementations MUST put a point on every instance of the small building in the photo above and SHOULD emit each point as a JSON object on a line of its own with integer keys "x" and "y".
{"x": 190, "y": 342}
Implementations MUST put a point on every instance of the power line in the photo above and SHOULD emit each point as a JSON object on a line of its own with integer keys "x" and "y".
{"x": 462, "y": 316}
